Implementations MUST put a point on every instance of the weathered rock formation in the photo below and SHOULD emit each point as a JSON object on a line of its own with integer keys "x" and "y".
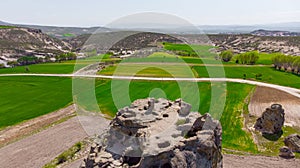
{"x": 271, "y": 121}
{"x": 286, "y": 152}
{"x": 158, "y": 133}
{"x": 293, "y": 142}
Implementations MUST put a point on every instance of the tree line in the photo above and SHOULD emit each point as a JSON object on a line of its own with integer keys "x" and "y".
{"x": 286, "y": 62}
{"x": 249, "y": 58}
{"x": 28, "y": 60}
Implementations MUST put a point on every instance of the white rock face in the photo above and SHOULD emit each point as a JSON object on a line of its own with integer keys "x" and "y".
{"x": 158, "y": 133}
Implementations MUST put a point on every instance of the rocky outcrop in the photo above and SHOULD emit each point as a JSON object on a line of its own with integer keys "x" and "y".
{"x": 293, "y": 142}
{"x": 158, "y": 133}
{"x": 286, "y": 152}
{"x": 271, "y": 121}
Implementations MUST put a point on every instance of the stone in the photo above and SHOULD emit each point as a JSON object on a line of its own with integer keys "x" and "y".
{"x": 293, "y": 142}
{"x": 286, "y": 152}
{"x": 179, "y": 138}
{"x": 271, "y": 121}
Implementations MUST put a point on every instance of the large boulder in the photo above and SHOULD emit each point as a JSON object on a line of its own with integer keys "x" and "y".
{"x": 271, "y": 121}
{"x": 286, "y": 152}
{"x": 293, "y": 142}
{"x": 158, "y": 133}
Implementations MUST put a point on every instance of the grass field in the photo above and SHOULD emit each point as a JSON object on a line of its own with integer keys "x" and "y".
{"x": 264, "y": 59}
{"x": 51, "y": 68}
{"x": 6, "y": 27}
{"x": 150, "y": 70}
{"x": 65, "y": 67}
{"x": 24, "y": 98}
{"x": 144, "y": 89}
{"x": 269, "y": 74}
{"x": 234, "y": 137}
{"x": 204, "y": 52}
{"x": 192, "y": 50}
{"x": 68, "y": 35}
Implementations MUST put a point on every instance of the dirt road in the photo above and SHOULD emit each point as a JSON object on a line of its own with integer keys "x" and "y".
{"x": 39, "y": 149}
{"x": 16, "y": 132}
{"x": 234, "y": 161}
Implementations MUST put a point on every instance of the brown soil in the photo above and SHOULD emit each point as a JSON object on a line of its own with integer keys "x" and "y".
{"x": 13, "y": 133}
{"x": 39, "y": 149}
{"x": 234, "y": 161}
{"x": 264, "y": 97}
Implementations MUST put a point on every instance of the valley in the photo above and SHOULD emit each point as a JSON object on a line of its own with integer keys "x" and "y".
{"x": 157, "y": 68}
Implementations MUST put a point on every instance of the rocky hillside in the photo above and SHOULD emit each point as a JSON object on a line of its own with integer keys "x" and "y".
{"x": 243, "y": 43}
{"x": 120, "y": 40}
{"x": 16, "y": 42}
{"x": 238, "y": 43}
{"x": 158, "y": 133}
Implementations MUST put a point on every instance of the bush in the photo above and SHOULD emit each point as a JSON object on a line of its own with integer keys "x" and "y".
{"x": 226, "y": 55}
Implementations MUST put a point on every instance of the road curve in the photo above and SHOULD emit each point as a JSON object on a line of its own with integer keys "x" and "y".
{"x": 290, "y": 90}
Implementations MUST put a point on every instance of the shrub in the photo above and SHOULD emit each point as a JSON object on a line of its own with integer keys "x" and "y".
{"x": 226, "y": 55}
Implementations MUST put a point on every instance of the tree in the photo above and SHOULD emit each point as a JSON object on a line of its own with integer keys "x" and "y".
{"x": 26, "y": 60}
{"x": 282, "y": 61}
{"x": 277, "y": 60}
{"x": 296, "y": 65}
{"x": 12, "y": 63}
{"x": 65, "y": 56}
{"x": 226, "y": 55}
{"x": 253, "y": 56}
{"x": 247, "y": 58}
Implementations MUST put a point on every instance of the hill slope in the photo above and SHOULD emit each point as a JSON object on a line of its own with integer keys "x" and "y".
{"x": 17, "y": 41}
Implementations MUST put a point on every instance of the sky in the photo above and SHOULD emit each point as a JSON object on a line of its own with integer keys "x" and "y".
{"x": 86, "y": 13}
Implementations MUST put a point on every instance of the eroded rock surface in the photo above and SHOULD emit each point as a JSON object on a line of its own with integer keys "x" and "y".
{"x": 158, "y": 133}
{"x": 286, "y": 152}
{"x": 293, "y": 142}
{"x": 271, "y": 121}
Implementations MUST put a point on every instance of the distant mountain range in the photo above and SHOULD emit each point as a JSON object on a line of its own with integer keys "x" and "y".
{"x": 67, "y": 32}
{"x": 61, "y": 32}
{"x": 219, "y": 29}
{"x": 262, "y": 32}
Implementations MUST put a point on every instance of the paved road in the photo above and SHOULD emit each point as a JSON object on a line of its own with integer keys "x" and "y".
{"x": 290, "y": 90}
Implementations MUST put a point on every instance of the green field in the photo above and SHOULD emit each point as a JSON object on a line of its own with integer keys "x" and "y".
{"x": 234, "y": 137}
{"x": 149, "y": 70}
{"x": 6, "y": 27}
{"x": 190, "y": 50}
{"x": 68, "y": 35}
{"x": 204, "y": 52}
{"x": 65, "y": 67}
{"x": 269, "y": 74}
{"x": 51, "y": 68}
{"x": 24, "y": 98}
{"x": 233, "y": 134}
{"x": 264, "y": 59}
